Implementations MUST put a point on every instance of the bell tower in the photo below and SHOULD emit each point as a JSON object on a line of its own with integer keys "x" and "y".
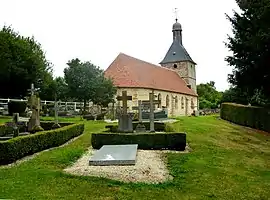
{"x": 178, "y": 59}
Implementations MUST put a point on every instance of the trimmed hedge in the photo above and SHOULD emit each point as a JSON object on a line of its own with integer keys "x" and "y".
{"x": 159, "y": 126}
{"x": 48, "y": 125}
{"x": 147, "y": 141}
{"x": 16, "y": 148}
{"x": 6, "y": 130}
{"x": 251, "y": 116}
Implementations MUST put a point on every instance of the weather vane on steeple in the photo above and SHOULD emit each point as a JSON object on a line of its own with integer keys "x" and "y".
{"x": 176, "y": 13}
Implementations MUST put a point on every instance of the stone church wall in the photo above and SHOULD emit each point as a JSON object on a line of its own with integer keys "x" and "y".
{"x": 177, "y": 104}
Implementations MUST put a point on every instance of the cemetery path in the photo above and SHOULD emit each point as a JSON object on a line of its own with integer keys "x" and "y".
{"x": 227, "y": 162}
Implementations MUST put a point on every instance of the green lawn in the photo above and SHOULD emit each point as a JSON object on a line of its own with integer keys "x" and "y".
{"x": 227, "y": 162}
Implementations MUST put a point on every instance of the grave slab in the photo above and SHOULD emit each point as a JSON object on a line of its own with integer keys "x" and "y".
{"x": 115, "y": 155}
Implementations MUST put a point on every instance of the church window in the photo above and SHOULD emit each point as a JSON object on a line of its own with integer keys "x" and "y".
{"x": 176, "y": 102}
{"x": 182, "y": 103}
{"x": 159, "y": 98}
{"x": 167, "y": 101}
{"x": 192, "y": 104}
{"x": 175, "y": 66}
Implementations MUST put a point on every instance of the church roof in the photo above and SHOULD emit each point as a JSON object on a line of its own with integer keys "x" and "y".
{"x": 130, "y": 72}
{"x": 176, "y": 53}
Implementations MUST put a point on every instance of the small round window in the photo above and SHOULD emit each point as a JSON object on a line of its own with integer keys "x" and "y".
{"x": 175, "y": 66}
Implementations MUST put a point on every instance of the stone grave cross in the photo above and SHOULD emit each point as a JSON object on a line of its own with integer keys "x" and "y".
{"x": 125, "y": 120}
{"x": 124, "y": 98}
{"x": 151, "y": 104}
{"x": 140, "y": 127}
{"x": 34, "y": 101}
{"x": 56, "y": 109}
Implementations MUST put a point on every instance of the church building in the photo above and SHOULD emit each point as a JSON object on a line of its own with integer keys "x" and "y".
{"x": 173, "y": 81}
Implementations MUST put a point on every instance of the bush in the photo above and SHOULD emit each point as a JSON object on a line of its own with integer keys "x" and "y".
{"x": 89, "y": 117}
{"x": 147, "y": 141}
{"x": 49, "y": 125}
{"x": 101, "y": 116}
{"x": 17, "y": 107}
{"x": 254, "y": 117}
{"x": 16, "y": 148}
{"x": 159, "y": 126}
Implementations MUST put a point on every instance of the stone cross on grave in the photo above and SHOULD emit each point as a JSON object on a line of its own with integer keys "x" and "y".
{"x": 140, "y": 127}
{"x": 151, "y": 104}
{"x": 125, "y": 120}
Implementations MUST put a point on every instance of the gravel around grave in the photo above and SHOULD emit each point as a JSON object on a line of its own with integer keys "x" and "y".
{"x": 150, "y": 168}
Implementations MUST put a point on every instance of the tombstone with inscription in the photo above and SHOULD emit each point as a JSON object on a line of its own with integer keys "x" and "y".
{"x": 124, "y": 118}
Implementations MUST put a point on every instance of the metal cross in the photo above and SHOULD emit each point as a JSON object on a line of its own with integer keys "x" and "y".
{"x": 176, "y": 13}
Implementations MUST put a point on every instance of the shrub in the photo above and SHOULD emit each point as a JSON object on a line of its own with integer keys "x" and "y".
{"x": 89, "y": 117}
{"x": 16, "y": 148}
{"x": 159, "y": 126}
{"x": 48, "y": 125}
{"x": 147, "y": 141}
{"x": 101, "y": 116}
{"x": 17, "y": 107}
{"x": 7, "y": 130}
{"x": 254, "y": 117}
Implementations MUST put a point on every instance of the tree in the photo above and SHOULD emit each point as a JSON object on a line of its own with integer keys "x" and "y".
{"x": 209, "y": 97}
{"x": 104, "y": 94}
{"x": 86, "y": 82}
{"x": 61, "y": 89}
{"x": 236, "y": 95}
{"x": 22, "y": 62}
{"x": 250, "y": 46}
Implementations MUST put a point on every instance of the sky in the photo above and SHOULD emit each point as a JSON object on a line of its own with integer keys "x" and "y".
{"x": 98, "y": 31}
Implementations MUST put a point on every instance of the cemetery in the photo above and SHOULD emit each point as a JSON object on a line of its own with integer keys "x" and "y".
{"x": 136, "y": 130}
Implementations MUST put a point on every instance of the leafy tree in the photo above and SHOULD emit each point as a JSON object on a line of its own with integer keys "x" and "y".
{"x": 236, "y": 95}
{"x": 86, "y": 82}
{"x": 60, "y": 89}
{"x": 250, "y": 46}
{"x": 209, "y": 97}
{"x": 22, "y": 62}
{"x": 105, "y": 92}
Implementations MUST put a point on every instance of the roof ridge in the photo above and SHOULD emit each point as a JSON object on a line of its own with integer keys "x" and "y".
{"x": 148, "y": 62}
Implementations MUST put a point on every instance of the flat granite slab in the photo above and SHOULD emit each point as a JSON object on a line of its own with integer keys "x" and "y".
{"x": 115, "y": 155}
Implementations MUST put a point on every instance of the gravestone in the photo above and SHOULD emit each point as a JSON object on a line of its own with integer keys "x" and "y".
{"x": 125, "y": 119}
{"x": 56, "y": 109}
{"x": 115, "y": 155}
{"x": 151, "y": 104}
{"x": 34, "y": 102}
{"x": 140, "y": 127}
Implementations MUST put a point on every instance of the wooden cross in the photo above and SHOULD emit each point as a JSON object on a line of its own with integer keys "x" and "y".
{"x": 124, "y": 98}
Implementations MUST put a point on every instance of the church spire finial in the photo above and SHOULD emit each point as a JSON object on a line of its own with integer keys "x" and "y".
{"x": 176, "y": 13}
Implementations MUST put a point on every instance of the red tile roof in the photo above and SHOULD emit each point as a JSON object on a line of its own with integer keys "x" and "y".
{"x": 130, "y": 72}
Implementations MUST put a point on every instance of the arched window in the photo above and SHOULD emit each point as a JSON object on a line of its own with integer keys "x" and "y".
{"x": 192, "y": 104}
{"x": 159, "y": 98}
{"x": 167, "y": 101}
{"x": 175, "y": 66}
{"x": 176, "y": 102}
{"x": 182, "y": 103}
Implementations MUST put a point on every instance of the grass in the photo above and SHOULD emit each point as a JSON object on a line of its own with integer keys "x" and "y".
{"x": 227, "y": 162}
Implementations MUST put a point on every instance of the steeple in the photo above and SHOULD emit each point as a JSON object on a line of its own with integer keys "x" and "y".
{"x": 177, "y": 29}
